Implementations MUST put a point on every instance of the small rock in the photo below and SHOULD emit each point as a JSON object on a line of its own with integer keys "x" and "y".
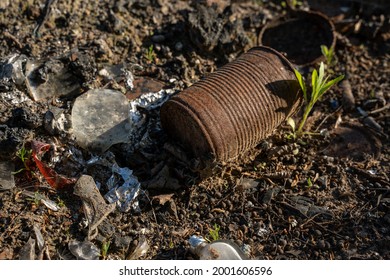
{"x": 4, "y": 4}
{"x": 334, "y": 104}
{"x": 270, "y": 194}
{"x": 249, "y": 183}
{"x": 387, "y": 218}
{"x": 28, "y": 250}
{"x": 323, "y": 181}
{"x": 179, "y": 46}
{"x": 321, "y": 244}
{"x": 6, "y": 254}
{"x": 104, "y": 48}
{"x": 158, "y": 38}
{"x": 106, "y": 229}
{"x": 121, "y": 242}
{"x": 7, "y": 180}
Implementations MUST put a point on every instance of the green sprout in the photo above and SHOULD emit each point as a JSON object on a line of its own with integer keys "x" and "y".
{"x": 60, "y": 202}
{"x": 150, "y": 55}
{"x": 24, "y": 155}
{"x": 214, "y": 233}
{"x": 258, "y": 2}
{"x": 293, "y": 3}
{"x": 105, "y": 247}
{"x": 171, "y": 244}
{"x": 293, "y": 134}
{"x": 309, "y": 183}
{"x": 36, "y": 199}
{"x": 328, "y": 53}
{"x": 320, "y": 85}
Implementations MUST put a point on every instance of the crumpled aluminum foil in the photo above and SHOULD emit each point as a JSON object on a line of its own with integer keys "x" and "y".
{"x": 124, "y": 189}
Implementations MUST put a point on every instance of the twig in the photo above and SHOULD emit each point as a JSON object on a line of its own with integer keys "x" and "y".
{"x": 384, "y": 108}
{"x": 47, "y": 252}
{"x": 13, "y": 38}
{"x": 310, "y": 220}
{"x": 326, "y": 118}
{"x": 153, "y": 212}
{"x": 370, "y": 176}
{"x": 46, "y": 13}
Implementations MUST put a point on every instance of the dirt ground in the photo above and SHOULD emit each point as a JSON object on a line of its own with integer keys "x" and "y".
{"x": 322, "y": 196}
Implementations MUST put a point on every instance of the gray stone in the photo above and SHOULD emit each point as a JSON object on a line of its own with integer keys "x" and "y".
{"x": 7, "y": 181}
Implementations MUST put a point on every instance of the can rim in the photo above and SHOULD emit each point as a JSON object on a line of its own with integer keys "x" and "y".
{"x": 279, "y": 54}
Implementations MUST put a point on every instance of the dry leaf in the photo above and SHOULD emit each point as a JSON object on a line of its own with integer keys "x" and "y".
{"x": 162, "y": 198}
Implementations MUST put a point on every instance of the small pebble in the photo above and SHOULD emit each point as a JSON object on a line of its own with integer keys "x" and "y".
{"x": 283, "y": 242}
{"x": 179, "y": 46}
{"x": 321, "y": 244}
{"x": 158, "y": 38}
{"x": 334, "y": 104}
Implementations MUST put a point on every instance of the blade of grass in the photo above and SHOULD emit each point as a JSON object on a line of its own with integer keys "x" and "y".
{"x": 301, "y": 84}
{"x": 314, "y": 83}
{"x": 330, "y": 84}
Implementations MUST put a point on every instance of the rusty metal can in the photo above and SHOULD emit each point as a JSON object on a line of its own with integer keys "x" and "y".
{"x": 232, "y": 109}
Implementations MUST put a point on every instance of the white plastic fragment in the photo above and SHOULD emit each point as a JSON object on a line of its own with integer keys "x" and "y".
{"x": 124, "y": 189}
{"x": 50, "y": 204}
{"x": 39, "y": 237}
{"x": 141, "y": 249}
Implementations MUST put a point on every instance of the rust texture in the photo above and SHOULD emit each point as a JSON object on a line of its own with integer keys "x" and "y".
{"x": 235, "y": 107}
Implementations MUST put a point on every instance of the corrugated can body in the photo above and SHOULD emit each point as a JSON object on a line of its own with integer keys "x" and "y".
{"x": 235, "y": 107}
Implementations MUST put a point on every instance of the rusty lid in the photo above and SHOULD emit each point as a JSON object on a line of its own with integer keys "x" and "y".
{"x": 299, "y": 35}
